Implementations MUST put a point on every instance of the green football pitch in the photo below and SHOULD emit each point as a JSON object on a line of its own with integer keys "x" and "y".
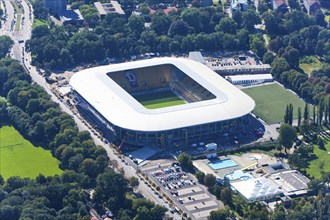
{"x": 271, "y": 101}
{"x": 159, "y": 99}
{"x": 18, "y": 157}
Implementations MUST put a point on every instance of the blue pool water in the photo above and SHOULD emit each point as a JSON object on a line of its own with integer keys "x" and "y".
{"x": 221, "y": 164}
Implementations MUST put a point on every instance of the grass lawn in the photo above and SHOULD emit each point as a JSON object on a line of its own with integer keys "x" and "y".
{"x": 19, "y": 12}
{"x": 2, "y": 99}
{"x": 18, "y": 22}
{"x": 310, "y": 63}
{"x": 271, "y": 101}
{"x": 37, "y": 23}
{"x": 159, "y": 99}
{"x": 18, "y": 157}
{"x": 321, "y": 163}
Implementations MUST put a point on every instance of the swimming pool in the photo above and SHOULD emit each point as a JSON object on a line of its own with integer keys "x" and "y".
{"x": 221, "y": 164}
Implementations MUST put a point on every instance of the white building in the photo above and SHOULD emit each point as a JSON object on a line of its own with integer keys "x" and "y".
{"x": 107, "y": 92}
{"x": 250, "y": 79}
{"x": 258, "y": 189}
{"x": 211, "y": 146}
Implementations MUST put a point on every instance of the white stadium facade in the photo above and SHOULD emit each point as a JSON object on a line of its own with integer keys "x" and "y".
{"x": 212, "y": 106}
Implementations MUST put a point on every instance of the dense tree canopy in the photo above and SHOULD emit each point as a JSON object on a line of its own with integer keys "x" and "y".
{"x": 5, "y": 45}
{"x": 85, "y": 165}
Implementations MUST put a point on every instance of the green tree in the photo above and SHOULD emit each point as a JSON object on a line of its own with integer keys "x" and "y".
{"x": 299, "y": 116}
{"x": 320, "y": 143}
{"x": 178, "y": 27}
{"x": 136, "y": 24}
{"x": 227, "y": 25}
{"x": 226, "y": 196}
{"x": 185, "y": 161}
{"x": 209, "y": 180}
{"x": 133, "y": 181}
{"x": 287, "y": 136}
{"x": 258, "y": 46}
{"x": 268, "y": 57}
{"x": 219, "y": 214}
{"x": 110, "y": 190}
{"x": 160, "y": 23}
{"x": 250, "y": 18}
{"x": 5, "y": 45}
{"x": 200, "y": 176}
{"x": 193, "y": 18}
{"x": 279, "y": 65}
{"x": 2, "y": 181}
{"x": 306, "y": 112}
{"x": 314, "y": 114}
{"x": 290, "y": 114}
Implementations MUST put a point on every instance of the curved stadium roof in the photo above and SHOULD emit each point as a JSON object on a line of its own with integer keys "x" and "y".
{"x": 122, "y": 110}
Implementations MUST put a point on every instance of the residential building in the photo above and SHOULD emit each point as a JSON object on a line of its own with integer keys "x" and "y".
{"x": 280, "y": 5}
{"x": 312, "y": 6}
{"x": 106, "y": 8}
{"x": 238, "y": 5}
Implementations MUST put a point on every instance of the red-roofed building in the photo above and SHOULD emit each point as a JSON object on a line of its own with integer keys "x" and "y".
{"x": 169, "y": 9}
{"x": 280, "y": 5}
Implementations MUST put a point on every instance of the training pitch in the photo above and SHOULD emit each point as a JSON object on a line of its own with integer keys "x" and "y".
{"x": 321, "y": 163}
{"x": 271, "y": 101}
{"x": 159, "y": 99}
{"x": 18, "y": 157}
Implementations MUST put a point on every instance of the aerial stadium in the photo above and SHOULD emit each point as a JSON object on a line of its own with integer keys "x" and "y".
{"x": 160, "y": 102}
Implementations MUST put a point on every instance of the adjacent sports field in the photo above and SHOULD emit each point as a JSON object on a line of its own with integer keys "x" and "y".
{"x": 18, "y": 157}
{"x": 159, "y": 99}
{"x": 321, "y": 163}
{"x": 271, "y": 101}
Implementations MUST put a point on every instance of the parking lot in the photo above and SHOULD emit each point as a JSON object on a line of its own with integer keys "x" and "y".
{"x": 182, "y": 188}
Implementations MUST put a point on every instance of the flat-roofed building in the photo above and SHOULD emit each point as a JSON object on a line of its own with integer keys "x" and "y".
{"x": 105, "y": 8}
{"x": 71, "y": 17}
{"x": 291, "y": 182}
{"x": 100, "y": 10}
{"x": 259, "y": 189}
{"x": 250, "y": 79}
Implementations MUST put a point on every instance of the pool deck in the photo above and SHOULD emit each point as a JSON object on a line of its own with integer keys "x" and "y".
{"x": 203, "y": 166}
{"x": 244, "y": 161}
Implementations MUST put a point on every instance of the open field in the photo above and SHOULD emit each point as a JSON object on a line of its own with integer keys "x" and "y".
{"x": 2, "y": 99}
{"x": 19, "y": 13}
{"x": 18, "y": 22}
{"x": 310, "y": 63}
{"x": 321, "y": 163}
{"x": 159, "y": 99}
{"x": 271, "y": 101}
{"x": 18, "y": 157}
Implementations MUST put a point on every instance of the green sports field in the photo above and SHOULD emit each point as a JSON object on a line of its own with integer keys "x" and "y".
{"x": 271, "y": 101}
{"x": 321, "y": 163}
{"x": 159, "y": 99}
{"x": 18, "y": 157}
